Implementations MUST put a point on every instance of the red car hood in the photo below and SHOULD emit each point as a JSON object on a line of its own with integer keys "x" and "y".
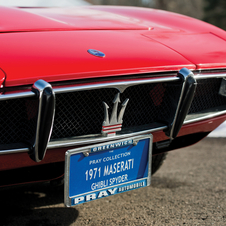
{"x": 77, "y": 18}
{"x": 57, "y": 56}
{"x": 132, "y": 45}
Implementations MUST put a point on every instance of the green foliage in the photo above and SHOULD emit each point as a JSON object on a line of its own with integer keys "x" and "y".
{"x": 215, "y": 12}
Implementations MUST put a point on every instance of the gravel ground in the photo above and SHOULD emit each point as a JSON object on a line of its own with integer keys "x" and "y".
{"x": 189, "y": 189}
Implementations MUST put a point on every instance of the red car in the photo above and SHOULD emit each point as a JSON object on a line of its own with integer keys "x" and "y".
{"x": 104, "y": 88}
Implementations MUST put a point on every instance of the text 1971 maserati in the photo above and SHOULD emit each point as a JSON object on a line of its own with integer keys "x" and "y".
{"x": 99, "y": 94}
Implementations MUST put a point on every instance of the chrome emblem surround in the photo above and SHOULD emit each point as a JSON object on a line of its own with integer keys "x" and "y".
{"x": 96, "y": 53}
{"x": 110, "y": 127}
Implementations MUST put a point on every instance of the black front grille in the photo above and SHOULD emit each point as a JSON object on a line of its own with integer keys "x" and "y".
{"x": 18, "y": 119}
{"x": 150, "y": 103}
{"x": 82, "y": 112}
{"x": 207, "y": 95}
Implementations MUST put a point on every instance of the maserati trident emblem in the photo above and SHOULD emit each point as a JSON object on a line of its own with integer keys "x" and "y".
{"x": 110, "y": 127}
{"x": 96, "y": 53}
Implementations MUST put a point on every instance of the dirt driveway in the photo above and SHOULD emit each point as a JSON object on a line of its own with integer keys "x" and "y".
{"x": 190, "y": 189}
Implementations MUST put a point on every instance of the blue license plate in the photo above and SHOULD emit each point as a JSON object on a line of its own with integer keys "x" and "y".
{"x": 107, "y": 169}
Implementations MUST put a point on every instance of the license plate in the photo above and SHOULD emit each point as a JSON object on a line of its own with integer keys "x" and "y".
{"x": 106, "y": 169}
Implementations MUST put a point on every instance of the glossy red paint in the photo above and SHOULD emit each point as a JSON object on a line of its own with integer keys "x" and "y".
{"x": 77, "y": 18}
{"x": 158, "y": 19}
{"x": 58, "y": 56}
{"x": 98, "y": 17}
{"x": 19, "y": 160}
{"x": 204, "y": 50}
{"x": 165, "y": 22}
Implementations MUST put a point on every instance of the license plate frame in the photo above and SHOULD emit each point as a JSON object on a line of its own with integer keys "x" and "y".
{"x": 74, "y": 157}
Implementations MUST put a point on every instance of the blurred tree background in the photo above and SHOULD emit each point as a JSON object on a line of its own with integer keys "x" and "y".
{"x": 215, "y": 12}
{"x": 211, "y": 11}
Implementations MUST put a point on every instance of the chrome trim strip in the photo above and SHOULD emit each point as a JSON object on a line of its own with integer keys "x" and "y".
{"x": 68, "y": 143}
{"x": 204, "y": 117}
{"x": 17, "y": 95}
{"x": 209, "y": 75}
{"x": 121, "y": 86}
{"x": 71, "y": 142}
{"x": 14, "y": 151}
